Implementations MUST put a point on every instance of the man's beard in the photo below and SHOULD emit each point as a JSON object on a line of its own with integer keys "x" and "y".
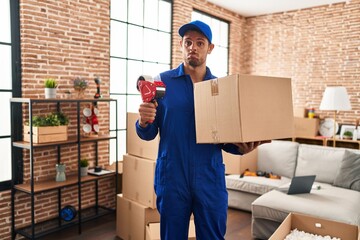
{"x": 194, "y": 63}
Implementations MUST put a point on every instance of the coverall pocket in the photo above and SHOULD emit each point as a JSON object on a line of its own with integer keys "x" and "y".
{"x": 160, "y": 172}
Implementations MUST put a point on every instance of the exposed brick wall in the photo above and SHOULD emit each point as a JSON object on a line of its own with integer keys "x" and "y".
{"x": 316, "y": 47}
{"x": 182, "y": 10}
{"x": 63, "y": 39}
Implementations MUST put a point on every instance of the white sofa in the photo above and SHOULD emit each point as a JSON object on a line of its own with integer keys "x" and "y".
{"x": 269, "y": 207}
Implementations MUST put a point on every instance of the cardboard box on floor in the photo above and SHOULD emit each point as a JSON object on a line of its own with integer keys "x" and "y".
{"x": 237, "y": 164}
{"x": 135, "y": 145}
{"x": 309, "y": 224}
{"x": 132, "y": 218}
{"x": 153, "y": 231}
{"x": 243, "y": 108}
{"x": 306, "y": 127}
{"x": 138, "y": 180}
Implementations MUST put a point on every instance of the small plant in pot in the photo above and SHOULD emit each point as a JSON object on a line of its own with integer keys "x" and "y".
{"x": 348, "y": 135}
{"x": 80, "y": 85}
{"x": 50, "y": 85}
{"x": 84, "y": 165}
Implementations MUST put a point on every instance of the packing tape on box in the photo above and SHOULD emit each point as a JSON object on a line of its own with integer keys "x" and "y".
{"x": 215, "y": 136}
{"x": 214, "y": 87}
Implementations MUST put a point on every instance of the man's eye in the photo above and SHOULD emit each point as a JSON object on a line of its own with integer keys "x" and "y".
{"x": 200, "y": 44}
{"x": 188, "y": 43}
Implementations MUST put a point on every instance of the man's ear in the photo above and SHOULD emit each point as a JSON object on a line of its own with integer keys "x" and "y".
{"x": 180, "y": 42}
{"x": 211, "y": 47}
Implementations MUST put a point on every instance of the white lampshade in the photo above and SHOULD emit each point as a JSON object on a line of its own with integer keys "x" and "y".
{"x": 335, "y": 98}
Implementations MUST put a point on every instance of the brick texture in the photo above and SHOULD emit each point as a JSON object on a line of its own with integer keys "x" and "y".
{"x": 62, "y": 40}
{"x": 316, "y": 47}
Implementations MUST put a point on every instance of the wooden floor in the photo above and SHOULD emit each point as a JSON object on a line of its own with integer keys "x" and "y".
{"x": 104, "y": 228}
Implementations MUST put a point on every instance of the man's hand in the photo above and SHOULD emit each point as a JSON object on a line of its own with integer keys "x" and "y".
{"x": 249, "y": 146}
{"x": 147, "y": 113}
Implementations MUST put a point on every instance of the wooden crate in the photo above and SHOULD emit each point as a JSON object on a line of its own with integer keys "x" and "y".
{"x": 46, "y": 134}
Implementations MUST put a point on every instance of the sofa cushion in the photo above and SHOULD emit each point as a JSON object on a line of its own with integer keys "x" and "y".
{"x": 278, "y": 157}
{"x": 328, "y": 202}
{"x": 255, "y": 185}
{"x": 321, "y": 161}
{"x": 348, "y": 175}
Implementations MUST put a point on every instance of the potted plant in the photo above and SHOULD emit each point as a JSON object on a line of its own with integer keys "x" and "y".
{"x": 49, "y": 128}
{"x": 84, "y": 165}
{"x": 50, "y": 85}
{"x": 347, "y": 135}
{"x": 80, "y": 85}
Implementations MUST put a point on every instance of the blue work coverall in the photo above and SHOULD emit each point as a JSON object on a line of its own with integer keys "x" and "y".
{"x": 189, "y": 177}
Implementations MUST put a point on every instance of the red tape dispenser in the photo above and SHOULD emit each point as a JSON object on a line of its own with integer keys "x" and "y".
{"x": 150, "y": 88}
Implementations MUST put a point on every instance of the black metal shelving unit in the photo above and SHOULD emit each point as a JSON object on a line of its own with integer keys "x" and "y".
{"x": 39, "y": 229}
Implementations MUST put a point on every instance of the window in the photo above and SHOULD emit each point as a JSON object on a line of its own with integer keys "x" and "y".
{"x": 9, "y": 84}
{"x": 140, "y": 43}
{"x": 217, "y": 61}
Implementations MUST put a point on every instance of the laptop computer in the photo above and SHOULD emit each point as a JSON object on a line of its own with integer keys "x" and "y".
{"x": 299, "y": 184}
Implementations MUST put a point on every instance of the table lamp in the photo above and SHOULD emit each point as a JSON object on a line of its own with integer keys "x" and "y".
{"x": 335, "y": 99}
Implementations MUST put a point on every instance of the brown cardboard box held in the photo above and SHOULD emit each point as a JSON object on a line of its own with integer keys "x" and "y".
{"x": 306, "y": 127}
{"x": 237, "y": 164}
{"x": 132, "y": 218}
{"x": 138, "y": 180}
{"x": 316, "y": 226}
{"x": 243, "y": 108}
{"x": 153, "y": 231}
{"x": 135, "y": 145}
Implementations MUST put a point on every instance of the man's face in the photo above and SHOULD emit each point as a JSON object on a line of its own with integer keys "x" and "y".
{"x": 195, "y": 48}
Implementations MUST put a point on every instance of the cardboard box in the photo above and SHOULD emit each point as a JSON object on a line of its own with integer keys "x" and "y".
{"x": 153, "y": 231}
{"x": 112, "y": 167}
{"x": 46, "y": 134}
{"x": 243, "y": 108}
{"x": 300, "y": 112}
{"x": 132, "y": 218}
{"x": 135, "y": 145}
{"x": 306, "y": 127}
{"x": 237, "y": 164}
{"x": 316, "y": 226}
{"x": 138, "y": 180}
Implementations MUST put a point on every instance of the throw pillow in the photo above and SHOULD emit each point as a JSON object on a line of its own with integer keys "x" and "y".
{"x": 348, "y": 175}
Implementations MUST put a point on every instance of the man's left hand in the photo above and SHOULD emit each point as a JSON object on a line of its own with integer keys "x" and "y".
{"x": 249, "y": 146}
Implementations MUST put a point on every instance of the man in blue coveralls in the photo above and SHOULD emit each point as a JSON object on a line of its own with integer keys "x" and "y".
{"x": 189, "y": 177}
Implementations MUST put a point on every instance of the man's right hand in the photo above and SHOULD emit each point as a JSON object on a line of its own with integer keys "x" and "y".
{"x": 147, "y": 113}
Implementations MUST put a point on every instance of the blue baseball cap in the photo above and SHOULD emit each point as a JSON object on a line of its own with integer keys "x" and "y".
{"x": 196, "y": 25}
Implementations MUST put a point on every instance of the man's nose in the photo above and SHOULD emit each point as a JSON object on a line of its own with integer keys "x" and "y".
{"x": 193, "y": 47}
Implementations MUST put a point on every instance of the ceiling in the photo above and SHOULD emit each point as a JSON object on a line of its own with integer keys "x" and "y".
{"x": 262, "y": 7}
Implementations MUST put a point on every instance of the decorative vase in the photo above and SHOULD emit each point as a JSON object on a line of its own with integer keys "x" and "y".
{"x": 60, "y": 172}
{"x": 80, "y": 92}
{"x": 50, "y": 93}
{"x": 84, "y": 171}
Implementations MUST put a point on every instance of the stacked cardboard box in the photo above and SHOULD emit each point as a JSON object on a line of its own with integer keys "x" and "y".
{"x": 304, "y": 126}
{"x": 137, "y": 216}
